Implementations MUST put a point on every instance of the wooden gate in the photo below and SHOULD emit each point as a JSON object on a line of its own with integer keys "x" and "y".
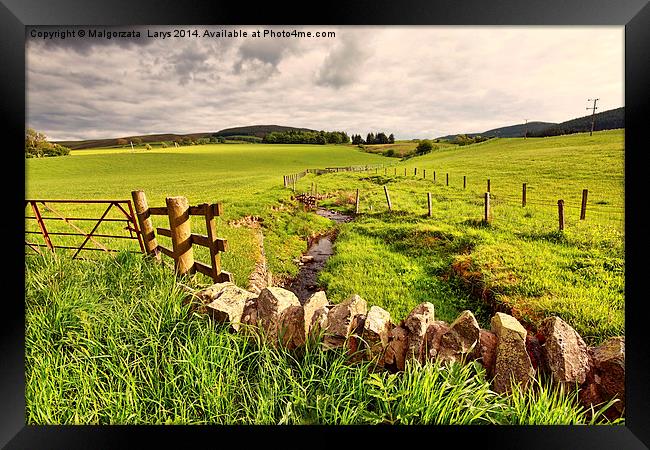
{"x": 38, "y": 206}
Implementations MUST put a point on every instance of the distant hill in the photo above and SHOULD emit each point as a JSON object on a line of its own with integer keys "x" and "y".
{"x": 256, "y": 130}
{"x": 237, "y": 133}
{"x": 99, "y": 143}
{"x": 606, "y": 120}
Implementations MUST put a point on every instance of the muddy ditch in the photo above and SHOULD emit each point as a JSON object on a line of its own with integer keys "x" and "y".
{"x": 320, "y": 248}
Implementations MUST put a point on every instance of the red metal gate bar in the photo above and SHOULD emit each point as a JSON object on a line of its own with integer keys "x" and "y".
{"x": 71, "y": 224}
{"x": 92, "y": 231}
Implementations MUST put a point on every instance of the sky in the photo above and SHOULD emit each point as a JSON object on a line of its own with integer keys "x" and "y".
{"x": 414, "y": 82}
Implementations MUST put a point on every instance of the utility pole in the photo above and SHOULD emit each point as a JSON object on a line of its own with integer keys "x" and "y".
{"x": 593, "y": 114}
{"x": 526, "y": 133}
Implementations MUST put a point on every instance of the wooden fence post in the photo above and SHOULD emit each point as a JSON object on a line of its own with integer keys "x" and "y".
{"x": 583, "y": 209}
{"x": 424, "y": 173}
{"x": 404, "y": 171}
{"x": 178, "y": 210}
{"x": 429, "y": 202}
{"x": 145, "y": 223}
{"x": 486, "y": 217}
{"x": 395, "y": 170}
{"x": 523, "y": 195}
{"x": 464, "y": 181}
{"x": 434, "y": 175}
{"x": 488, "y": 186}
{"x": 356, "y": 203}
{"x": 560, "y": 213}
{"x": 415, "y": 171}
{"x": 390, "y": 207}
{"x": 385, "y": 170}
{"x": 447, "y": 179}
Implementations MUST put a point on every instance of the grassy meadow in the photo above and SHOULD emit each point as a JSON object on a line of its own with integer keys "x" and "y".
{"x": 107, "y": 340}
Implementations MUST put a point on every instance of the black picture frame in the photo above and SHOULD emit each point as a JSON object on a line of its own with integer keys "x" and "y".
{"x": 15, "y": 15}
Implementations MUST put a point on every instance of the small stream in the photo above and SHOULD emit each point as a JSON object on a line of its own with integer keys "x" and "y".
{"x": 305, "y": 284}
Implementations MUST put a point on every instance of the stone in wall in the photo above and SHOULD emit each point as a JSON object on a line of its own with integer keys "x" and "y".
{"x": 512, "y": 360}
{"x": 340, "y": 321}
{"x": 486, "y": 351}
{"x": 417, "y": 323}
{"x": 565, "y": 353}
{"x": 271, "y": 303}
{"x": 606, "y": 377}
{"x": 460, "y": 340}
{"x": 395, "y": 355}
{"x": 316, "y": 301}
{"x": 291, "y": 327}
{"x": 376, "y": 333}
{"x": 432, "y": 338}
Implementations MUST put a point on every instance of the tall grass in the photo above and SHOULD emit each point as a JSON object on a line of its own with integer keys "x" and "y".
{"x": 109, "y": 342}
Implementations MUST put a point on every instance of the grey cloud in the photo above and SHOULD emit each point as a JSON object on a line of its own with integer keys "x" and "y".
{"x": 342, "y": 66}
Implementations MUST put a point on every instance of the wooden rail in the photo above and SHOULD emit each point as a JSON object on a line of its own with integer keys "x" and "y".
{"x": 178, "y": 211}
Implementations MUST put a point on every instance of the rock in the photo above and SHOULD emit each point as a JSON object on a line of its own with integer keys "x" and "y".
{"x": 486, "y": 351}
{"x": 271, "y": 303}
{"x": 565, "y": 353}
{"x": 306, "y": 258}
{"x": 313, "y": 303}
{"x": 417, "y": 323}
{"x": 606, "y": 377}
{"x": 224, "y": 302}
{"x": 376, "y": 333}
{"x": 432, "y": 337}
{"x": 291, "y": 327}
{"x": 249, "y": 314}
{"x": 460, "y": 340}
{"x": 512, "y": 360}
{"x": 535, "y": 352}
{"x": 355, "y": 342}
{"x": 395, "y": 355}
{"x": 339, "y": 320}
{"x": 318, "y": 322}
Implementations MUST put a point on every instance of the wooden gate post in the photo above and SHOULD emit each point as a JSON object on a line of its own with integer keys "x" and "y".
{"x": 145, "y": 223}
{"x": 583, "y": 209}
{"x": 560, "y": 213}
{"x": 486, "y": 217}
{"x": 390, "y": 206}
{"x": 429, "y": 202}
{"x": 178, "y": 210}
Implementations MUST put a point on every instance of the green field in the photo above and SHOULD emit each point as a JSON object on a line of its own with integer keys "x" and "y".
{"x": 95, "y": 317}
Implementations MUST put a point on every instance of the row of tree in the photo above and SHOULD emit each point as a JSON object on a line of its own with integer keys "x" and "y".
{"x": 306, "y": 137}
{"x": 37, "y": 146}
{"x": 463, "y": 139}
{"x": 371, "y": 138}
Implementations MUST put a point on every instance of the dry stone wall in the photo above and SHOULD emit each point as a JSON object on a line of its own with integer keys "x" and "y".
{"x": 507, "y": 351}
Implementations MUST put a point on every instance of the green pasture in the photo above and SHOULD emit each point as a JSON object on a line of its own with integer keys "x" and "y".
{"x": 402, "y": 258}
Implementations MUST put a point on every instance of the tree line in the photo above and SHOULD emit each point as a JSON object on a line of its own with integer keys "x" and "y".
{"x": 371, "y": 138}
{"x": 306, "y": 137}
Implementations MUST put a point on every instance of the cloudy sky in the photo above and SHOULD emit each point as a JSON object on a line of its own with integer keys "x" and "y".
{"x": 415, "y": 82}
